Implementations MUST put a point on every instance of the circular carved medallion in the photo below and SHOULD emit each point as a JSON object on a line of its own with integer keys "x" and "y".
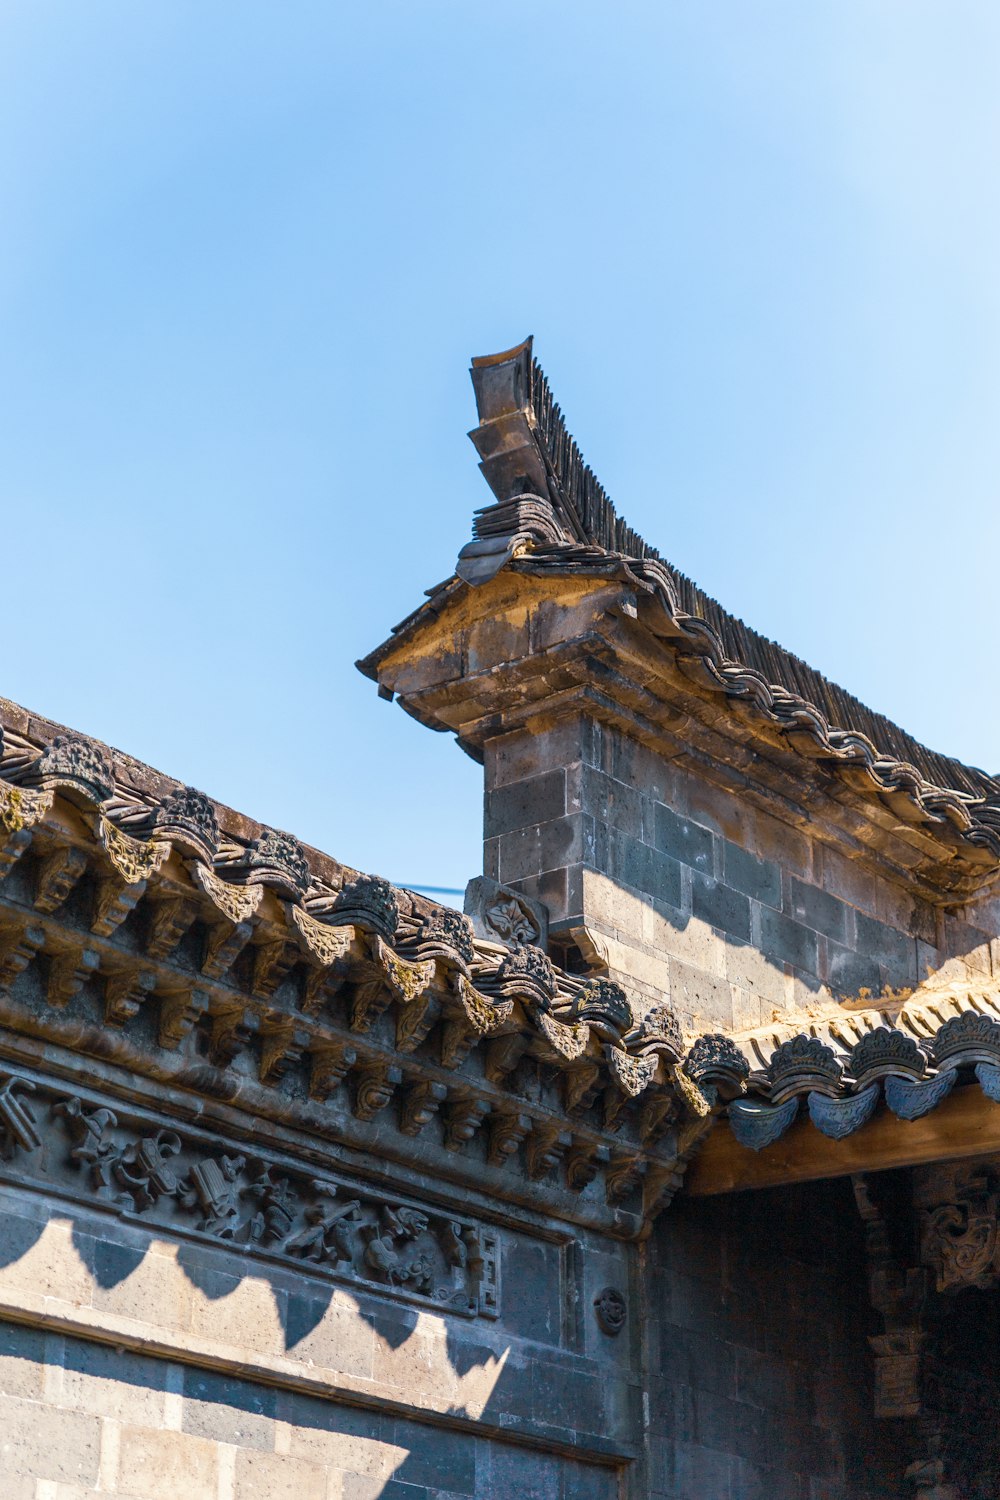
{"x": 611, "y": 1311}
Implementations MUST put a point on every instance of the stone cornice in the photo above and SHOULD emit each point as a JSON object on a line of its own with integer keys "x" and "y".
{"x": 549, "y": 636}
{"x": 141, "y": 931}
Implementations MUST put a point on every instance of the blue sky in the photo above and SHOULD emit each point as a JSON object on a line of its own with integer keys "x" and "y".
{"x": 247, "y": 252}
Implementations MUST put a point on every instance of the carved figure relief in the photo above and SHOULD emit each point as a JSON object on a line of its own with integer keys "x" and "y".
{"x": 169, "y": 1178}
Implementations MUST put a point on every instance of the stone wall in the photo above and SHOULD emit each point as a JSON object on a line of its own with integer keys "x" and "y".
{"x": 760, "y": 1377}
{"x": 146, "y": 1368}
{"x": 681, "y": 889}
{"x": 150, "y": 1368}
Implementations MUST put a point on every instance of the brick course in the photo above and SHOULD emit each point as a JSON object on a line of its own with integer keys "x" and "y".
{"x": 688, "y": 867}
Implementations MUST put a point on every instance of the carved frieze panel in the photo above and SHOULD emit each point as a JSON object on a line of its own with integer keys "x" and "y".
{"x": 177, "y": 1181}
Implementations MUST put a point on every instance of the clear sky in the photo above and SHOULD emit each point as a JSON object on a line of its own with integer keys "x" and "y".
{"x": 247, "y": 249}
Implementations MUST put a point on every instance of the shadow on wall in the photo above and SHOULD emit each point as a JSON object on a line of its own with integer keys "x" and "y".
{"x": 62, "y": 1391}
{"x": 754, "y": 943}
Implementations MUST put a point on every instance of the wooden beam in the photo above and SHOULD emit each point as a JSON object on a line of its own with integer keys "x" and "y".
{"x": 964, "y": 1124}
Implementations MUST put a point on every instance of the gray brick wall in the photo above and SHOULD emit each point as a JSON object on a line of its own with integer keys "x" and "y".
{"x": 732, "y": 911}
{"x": 80, "y": 1418}
{"x": 266, "y": 1383}
{"x": 759, "y": 1374}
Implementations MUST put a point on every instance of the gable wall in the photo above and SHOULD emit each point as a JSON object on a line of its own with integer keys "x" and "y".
{"x": 683, "y": 890}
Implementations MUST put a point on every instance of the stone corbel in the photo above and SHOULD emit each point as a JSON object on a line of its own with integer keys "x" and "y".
{"x": 171, "y": 919}
{"x": 124, "y": 995}
{"x": 18, "y": 947}
{"x": 230, "y": 1029}
{"x": 282, "y": 1045}
{"x": 58, "y": 872}
{"x": 329, "y": 1064}
{"x": 179, "y": 1010}
{"x": 114, "y": 900}
{"x": 223, "y": 945}
{"x": 69, "y": 970}
{"x": 585, "y": 1160}
{"x": 466, "y": 1113}
{"x": 377, "y": 1080}
{"x": 507, "y": 1131}
{"x": 419, "y": 1105}
{"x": 272, "y": 962}
{"x": 547, "y": 1145}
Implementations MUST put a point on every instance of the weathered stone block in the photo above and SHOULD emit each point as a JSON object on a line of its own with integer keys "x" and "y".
{"x": 338, "y": 1437}
{"x": 23, "y": 1355}
{"x": 43, "y": 1259}
{"x": 849, "y": 972}
{"x": 685, "y": 840}
{"x": 103, "y": 1380}
{"x": 535, "y": 1268}
{"x": 358, "y": 1487}
{"x": 241, "y": 1311}
{"x": 140, "y": 1284}
{"x": 529, "y": 1476}
{"x": 695, "y": 993}
{"x": 546, "y": 846}
{"x": 758, "y": 878}
{"x": 749, "y": 1010}
{"x": 159, "y": 1465}
{"x": 644, "y": 868}
{"x": 42, "y": 1442}
{"x": 408, "y": 1362}
{"x": 717, "y": 904}
{"x": 334, "y": 1336}
{"x": 228, "y": 1409}
{"x": 669, "y": 931}
{"x": 692, "y": 1359}
{"x": 518, "y": 755}
{"x": 788, "y": 941}
{"x": 696, "y": 1473}
{"x": 278, "y": 1476}
{"x": 773, "y": 1384}
{"x": 608, "y": 801}
{"x": 520, "y": 804}
{"x": 728, "y": 1426}
{"x": 436, "y": 1458}
{"x": 895, "y": 951}
{"x": 818, "y": 909}
{"x": 757, "y": 974}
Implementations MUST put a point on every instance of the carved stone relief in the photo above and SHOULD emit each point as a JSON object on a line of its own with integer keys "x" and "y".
{"x": 501, "y": 914}
{"x": 959, "y": 1239}
{"x": 940, "y": 1316}
{"x": 135, "y": 1166}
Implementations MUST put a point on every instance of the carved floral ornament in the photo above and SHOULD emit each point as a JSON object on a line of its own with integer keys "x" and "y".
{"x": 512, "y": 920}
